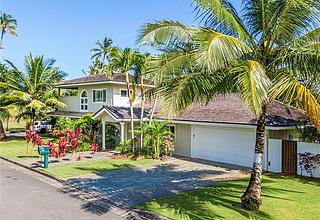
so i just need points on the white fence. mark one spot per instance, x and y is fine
(274, 155)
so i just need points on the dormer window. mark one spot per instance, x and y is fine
(99, 95)
(84, 101)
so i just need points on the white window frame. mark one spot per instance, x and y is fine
(87, 98)
(96, 95)
(175, 129)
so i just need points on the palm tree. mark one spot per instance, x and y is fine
(102, 50)
(32, 92)
(270, 52)
(124, 62)
(7, 25)
(142, 65)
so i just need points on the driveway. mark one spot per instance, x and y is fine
(130, 187)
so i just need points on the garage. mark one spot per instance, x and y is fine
(221, 144)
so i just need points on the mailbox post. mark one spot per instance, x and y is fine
(44, 150)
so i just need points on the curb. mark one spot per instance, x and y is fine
(142, 214)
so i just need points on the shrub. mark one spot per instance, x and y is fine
(89, 127)
(309, 162)
(63, 123)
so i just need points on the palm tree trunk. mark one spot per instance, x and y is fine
(153, 109)
(142, 113)
(1, 38)
(131, 110)
(251, 199)
(2, 132)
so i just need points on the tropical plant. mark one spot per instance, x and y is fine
(102, 51)
(32, 92)
(157, 138)
(89, 127)
(124, 62)
(270, 52)
(7, 25)
(141, 69)
(308, 132)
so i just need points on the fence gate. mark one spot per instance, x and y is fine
(289, 157)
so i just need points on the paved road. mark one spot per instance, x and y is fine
(24, 196)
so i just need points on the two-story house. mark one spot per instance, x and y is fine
(223, 130)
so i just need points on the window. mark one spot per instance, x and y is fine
(99, 95)
(124, 93)
(84, 101)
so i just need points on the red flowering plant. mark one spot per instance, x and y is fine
(29, 136)
(32, 136)
(62, 146)
(94, 148)
(53, 150)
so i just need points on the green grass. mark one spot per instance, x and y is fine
(15, 148)
(288, 198)
(69, 170)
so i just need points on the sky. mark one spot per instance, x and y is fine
(66, 30)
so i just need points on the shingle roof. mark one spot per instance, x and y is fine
(99, 78)
(123, 112)
(94, 78)
(233, 110)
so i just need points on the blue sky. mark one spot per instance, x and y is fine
(67, 29)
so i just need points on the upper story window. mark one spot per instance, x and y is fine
(99, 95)
(124, 93)
(84, 101)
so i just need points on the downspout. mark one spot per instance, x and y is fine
(267, 150)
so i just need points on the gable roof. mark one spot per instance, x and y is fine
(95, 79)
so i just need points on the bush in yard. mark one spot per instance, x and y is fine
(309, 162)
(89, 127)
(63, 123)
(157, 142)
(34, 138)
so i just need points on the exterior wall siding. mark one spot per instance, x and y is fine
(182, 140)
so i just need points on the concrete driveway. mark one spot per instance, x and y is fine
(130, 187)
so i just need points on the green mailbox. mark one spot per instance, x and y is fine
(44, 150)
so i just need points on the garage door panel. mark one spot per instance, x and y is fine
(224, 145)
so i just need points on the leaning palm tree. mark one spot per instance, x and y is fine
(270, 52)
(32, 92)
(7, 25)
(124, 62)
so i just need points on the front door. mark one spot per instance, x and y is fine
(289, 157)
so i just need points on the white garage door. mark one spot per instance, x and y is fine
(228, 145)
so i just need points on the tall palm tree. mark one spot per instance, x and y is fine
(102, 50)
(142, 65)
(7, 25)
(124, 62)
(270, 52)
(32, 92)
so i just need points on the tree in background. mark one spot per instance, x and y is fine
(270, 52)
(32, 92)
(124, 62)
(7, 25)
(100, 56)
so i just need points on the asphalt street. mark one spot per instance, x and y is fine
(23, 196)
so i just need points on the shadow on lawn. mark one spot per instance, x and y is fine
(105, 169)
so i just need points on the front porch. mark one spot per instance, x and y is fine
(120, 116)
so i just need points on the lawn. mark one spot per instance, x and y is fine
(15, 148)
(283, 198)
(66, 171)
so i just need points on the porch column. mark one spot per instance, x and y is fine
(122, 130)
(103, 135)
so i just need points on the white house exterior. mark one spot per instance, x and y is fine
(222, 131)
